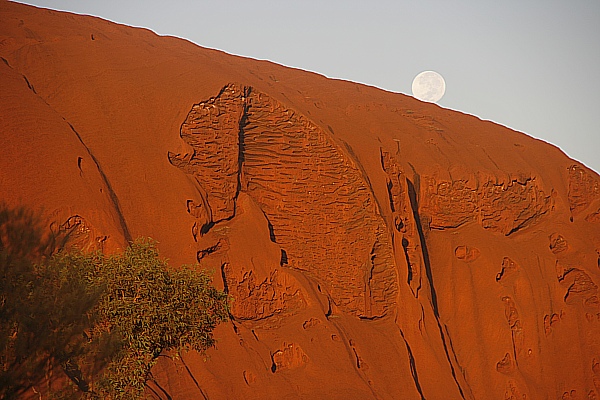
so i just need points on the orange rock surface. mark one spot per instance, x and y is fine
(374, 246)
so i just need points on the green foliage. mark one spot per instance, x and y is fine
(152, 308)
(103, 320)
(44, 308)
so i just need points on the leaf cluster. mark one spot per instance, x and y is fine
(103, 319)
(44, 308)
(152, 308)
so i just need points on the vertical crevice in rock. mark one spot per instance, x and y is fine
(212, 129)
(403, 219)
(193, 377)
(433, 295)
(412, 195)
(111, 193)
(413, 365)
(241, 184)
(317, 200)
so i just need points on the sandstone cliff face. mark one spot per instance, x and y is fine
(374, 246)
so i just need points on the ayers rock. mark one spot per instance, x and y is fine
(374, 246)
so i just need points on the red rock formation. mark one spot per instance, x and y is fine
(374, 246)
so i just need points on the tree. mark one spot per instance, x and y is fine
(151, 308)
(43, 309)
(102, 320)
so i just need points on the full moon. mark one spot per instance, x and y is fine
(428, 86)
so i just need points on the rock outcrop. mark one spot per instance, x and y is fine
(373, 246)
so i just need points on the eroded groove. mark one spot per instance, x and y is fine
(111, 193)
(446, 337)
(167, 395)
(404, 220)
(29, 85)
(412, 195)
(193, 377)
(434, 304)
(413, 365)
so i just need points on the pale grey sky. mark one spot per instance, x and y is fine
(531, 65)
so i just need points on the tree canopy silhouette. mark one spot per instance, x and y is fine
(101, 319)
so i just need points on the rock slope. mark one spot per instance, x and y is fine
(374, 246)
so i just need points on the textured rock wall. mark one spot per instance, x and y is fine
(373, 246)
(584, 189)
(320, 208)
(403, 216)
(212, 129)
(505, 206)
(322, 213)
